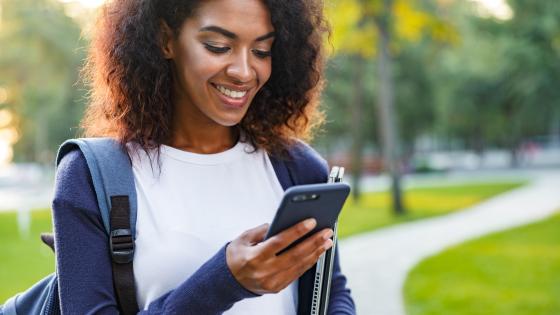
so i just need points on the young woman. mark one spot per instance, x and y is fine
(202, 95)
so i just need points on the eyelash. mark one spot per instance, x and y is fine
(221, 50)
(215, 49)
(262, 54)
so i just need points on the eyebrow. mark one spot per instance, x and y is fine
(228, 34)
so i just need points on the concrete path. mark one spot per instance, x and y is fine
(377, 263)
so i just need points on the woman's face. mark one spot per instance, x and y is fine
(221, 59)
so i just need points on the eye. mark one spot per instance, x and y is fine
(262, 53)
(216, 49)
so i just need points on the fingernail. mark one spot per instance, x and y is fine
(328, 235)
(328, 244)
(309, 223)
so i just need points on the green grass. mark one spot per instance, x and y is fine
(23, 260)
(516, 272)
(373, 209)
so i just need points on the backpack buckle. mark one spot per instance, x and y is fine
(121, 244)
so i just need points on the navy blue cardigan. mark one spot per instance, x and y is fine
(84, 265)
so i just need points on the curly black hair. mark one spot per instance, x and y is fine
(131, 81)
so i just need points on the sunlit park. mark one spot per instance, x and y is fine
(445, 115)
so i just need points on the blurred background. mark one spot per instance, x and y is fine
(444, 113)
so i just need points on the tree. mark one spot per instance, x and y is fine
(383, 20)
(499, 84)
(364, 28)
(40, 62)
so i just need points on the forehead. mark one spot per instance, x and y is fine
(243, 17)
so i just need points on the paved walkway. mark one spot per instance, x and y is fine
(377, 263)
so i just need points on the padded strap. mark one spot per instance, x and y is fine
(111, 172)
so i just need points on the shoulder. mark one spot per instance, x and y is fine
(72, 176)
(73, 159)
(308, 163)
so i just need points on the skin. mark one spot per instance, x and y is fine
(227, 43)
(203, 58)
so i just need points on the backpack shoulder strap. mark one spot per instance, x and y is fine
(111, 172)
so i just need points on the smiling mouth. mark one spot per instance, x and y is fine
(232, 98)
(234, 94)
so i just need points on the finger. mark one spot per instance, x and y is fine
(304, 249)
(283, 239)
(294, 256)
(255, 235)
(304, 264)
(272, 267)
(296, 269)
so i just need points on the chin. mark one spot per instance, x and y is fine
(228, 121)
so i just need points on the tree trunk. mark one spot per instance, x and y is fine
(514, 153)
(386, 106)
(555, 129)
(357, 126)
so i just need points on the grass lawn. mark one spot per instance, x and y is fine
(24, 261)
(373, 209)
(516, 272)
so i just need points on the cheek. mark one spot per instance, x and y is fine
(264, 71)
(199, 73)
(194, 70)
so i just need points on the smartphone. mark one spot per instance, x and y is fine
(320, 201)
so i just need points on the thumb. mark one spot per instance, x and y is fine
(256, 234)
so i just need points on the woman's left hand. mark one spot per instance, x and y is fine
(256, 265)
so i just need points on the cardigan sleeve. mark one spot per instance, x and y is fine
(84, 264)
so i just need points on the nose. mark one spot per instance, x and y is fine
(240, 68)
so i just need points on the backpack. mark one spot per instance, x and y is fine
(113, 181)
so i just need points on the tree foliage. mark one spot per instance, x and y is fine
(498, 86)
(418, 32)
(459, 77)
(355, 30)
(40, 62)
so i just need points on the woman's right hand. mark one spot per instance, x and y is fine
(256, 266)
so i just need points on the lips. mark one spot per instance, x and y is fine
(232, 98)
(231, 92)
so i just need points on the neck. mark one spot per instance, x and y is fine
(194, 132)
(203, 141)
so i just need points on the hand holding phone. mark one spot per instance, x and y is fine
(255, 264)
(267, 259)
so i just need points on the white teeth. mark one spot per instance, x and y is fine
(231, 93)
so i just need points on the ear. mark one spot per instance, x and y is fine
(166, 42)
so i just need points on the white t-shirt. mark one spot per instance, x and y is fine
(195, 205)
